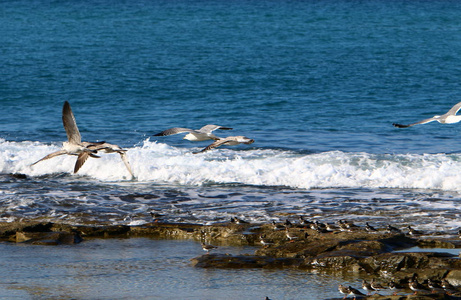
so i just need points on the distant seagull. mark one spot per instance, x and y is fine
(449, 118)
(276, 226)
(290, 235)
(238, 221)
(74, 145)
(416, 287)
(434, 286)
(412, 231)
(265, 242)
(229, 141)
(395, 287)
(367, 287)
(392, 229)
(344, 290)
(202, 134)
(110, 148)
(376, 286)
(356, 293)
(207, 247)
(369, 228)
(449, 289)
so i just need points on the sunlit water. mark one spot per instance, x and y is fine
(144, 269)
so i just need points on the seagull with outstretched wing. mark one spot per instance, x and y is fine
(73, 145)
(110, 148)
(202, 134)
(449, 118)
(83, 150)
(228, 141)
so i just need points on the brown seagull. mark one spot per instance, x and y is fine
(83, 150)
(229, 141)
(110, 148)
(74, 145)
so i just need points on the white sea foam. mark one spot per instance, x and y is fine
(163, 164)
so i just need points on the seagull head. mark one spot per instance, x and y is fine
(246, 140)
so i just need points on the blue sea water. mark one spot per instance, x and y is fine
(317, 84)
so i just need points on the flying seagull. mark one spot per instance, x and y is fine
(449, 118)
(74, 145)
(83, 150)
(110, 148)
(229, 141)
(202, 134)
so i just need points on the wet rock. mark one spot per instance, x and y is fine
(18, 175)
(242, 261)
(337, 261)
(393, 262)
(115, 231)
(454, 277)
(48, 238)
(405, 297)
(439, 243)
(365, 254)
(223, 234)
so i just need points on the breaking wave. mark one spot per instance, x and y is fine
(160, 163)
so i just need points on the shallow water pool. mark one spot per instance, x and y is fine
(144, 268)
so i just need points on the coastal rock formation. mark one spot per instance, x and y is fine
(358, 252)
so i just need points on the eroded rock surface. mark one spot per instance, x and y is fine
(366, 255)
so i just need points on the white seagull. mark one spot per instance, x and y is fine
(202, 134)
(74, 145)
(229, 141)
(449, 118)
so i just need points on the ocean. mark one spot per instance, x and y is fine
(316, 84)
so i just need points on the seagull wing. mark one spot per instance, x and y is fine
(174, 130)
(413, 124)
(95, 146)
(81, 159)
(215, 144)
(454, 110)
(125, 161)
(51, 155)
(68, 120)
(210, 128)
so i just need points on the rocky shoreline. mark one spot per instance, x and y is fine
(353, 252)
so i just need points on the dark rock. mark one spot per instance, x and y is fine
(439, 243)
(18, 175)
(242, 261)
(48, 238)
(359, 252)
(406, 297)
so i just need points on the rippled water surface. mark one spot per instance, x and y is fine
(144, 269)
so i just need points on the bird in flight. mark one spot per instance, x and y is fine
(73, 145)
(202, 134)
(83, 150)
(229, 141)
(449, 118)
